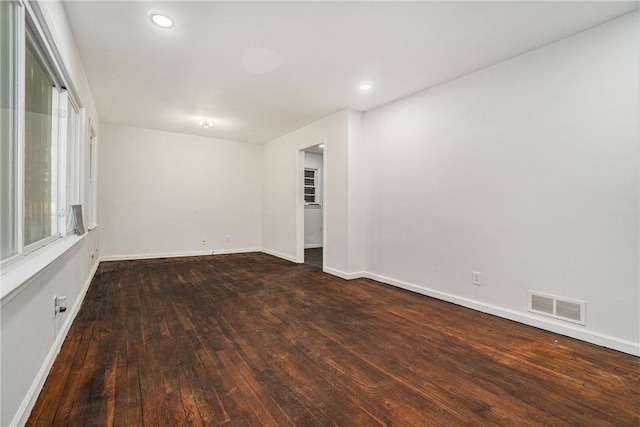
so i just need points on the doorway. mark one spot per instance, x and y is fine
(311, 169)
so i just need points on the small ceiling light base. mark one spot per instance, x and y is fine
(365, 86)
(205, 123)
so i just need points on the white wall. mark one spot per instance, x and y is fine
(357, 238)
(313, 213)
(161, 193)
(31, 336)
(526, 171)
(343, 212)
(280, 200)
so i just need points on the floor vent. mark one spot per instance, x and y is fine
(557, 307)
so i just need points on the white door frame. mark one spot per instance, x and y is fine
(300, 203)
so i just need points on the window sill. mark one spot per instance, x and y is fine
(23, 271)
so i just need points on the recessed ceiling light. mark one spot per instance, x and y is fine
(365, 86)
(161, 20)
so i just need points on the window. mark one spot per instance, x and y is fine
(310, 186)
(8, 129)
(71, 128)
(41, 93)
(40, 130)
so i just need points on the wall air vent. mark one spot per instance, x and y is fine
(541, 303)
(557, 307)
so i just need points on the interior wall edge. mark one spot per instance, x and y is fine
(344, 275)
(279, 255)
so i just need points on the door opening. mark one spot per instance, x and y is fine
(311, 206)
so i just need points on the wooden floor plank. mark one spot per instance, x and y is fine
(250, 339)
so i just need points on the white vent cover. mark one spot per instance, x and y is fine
(557, 307)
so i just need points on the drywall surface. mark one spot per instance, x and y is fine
(526, 171)
(31, 334)
(162, 193)
(281, 197)
(356, 194)
(313, 213)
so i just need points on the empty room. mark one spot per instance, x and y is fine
(309, 213)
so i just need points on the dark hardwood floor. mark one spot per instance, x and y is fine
(313, 256)
(250, 339)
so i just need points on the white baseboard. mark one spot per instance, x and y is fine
(177, 254)
(236, 251)
(22, 415)
(279, 255)
(573, 331)
(342, 274)
(329, 270)
(313, 245)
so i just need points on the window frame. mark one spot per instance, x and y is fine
(18, 173)
(92, 178)
(31, 27)
(314, 186)
(30, 37)
(72, 146)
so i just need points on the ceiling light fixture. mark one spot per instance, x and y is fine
(205, 123)
(161, 20)
(365, 86)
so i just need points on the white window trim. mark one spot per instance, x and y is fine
(63, 135)
(20, 153)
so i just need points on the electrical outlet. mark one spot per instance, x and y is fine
(228, 239)
(60, 304)
(204, 241)
(476, 278)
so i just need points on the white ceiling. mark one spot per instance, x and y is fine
(262, 69)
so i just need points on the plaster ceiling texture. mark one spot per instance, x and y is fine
(262, 69)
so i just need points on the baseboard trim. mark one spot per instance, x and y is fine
(343, 275)
(279, 255)
(24, 411)
(132, 257)
(572, 331)
(313, 245)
